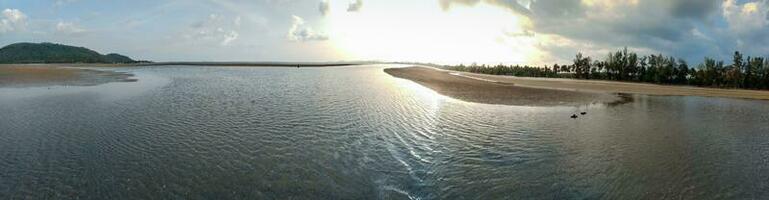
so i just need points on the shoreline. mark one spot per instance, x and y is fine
(538, 90)
(48, 75)
(624, 87)
(478, 90)
(591, 86)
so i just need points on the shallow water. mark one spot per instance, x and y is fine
(47, 76)
(357, 133)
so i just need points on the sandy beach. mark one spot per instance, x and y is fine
(506, 93)
(512, 90)
(624, 87)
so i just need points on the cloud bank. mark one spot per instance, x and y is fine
(687, 28)
(554, 29)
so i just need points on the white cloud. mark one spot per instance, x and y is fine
(324, 7)
(748, 24)
(355, 6)
(12, 20)
(750, 16)
(63, 2)
(229, 37)
(238, 21)
(216, 29)
(69, 28)
(299, 32)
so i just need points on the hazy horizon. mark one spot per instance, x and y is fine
(436, 31)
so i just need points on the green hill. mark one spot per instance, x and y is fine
(56, 53)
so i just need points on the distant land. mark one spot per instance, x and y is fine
(25, 53)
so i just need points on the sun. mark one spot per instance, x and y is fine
(423, 32)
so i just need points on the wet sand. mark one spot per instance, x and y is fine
(478, 90)
(512, 90)
(50, 75)
(624, 87)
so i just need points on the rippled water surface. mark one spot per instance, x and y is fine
(357, 133)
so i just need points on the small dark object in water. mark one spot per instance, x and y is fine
(574, 116)
(583, 113)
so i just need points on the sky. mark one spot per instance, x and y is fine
(533, 32)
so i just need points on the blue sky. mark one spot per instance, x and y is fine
(443, 31)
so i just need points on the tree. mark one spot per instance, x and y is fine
(682, 72)
(734, 75)
(750, 80)
(764, 70)
(755, 73)
(642, 69)
(709, 72)
(582, 66)
(631, 65)
(556, 68)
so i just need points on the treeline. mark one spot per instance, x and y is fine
(746, 73)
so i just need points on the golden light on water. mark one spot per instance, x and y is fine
(413, 89)
(425, 32)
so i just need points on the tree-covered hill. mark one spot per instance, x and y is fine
(56, 53)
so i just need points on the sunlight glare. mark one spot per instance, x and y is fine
(482, 34)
